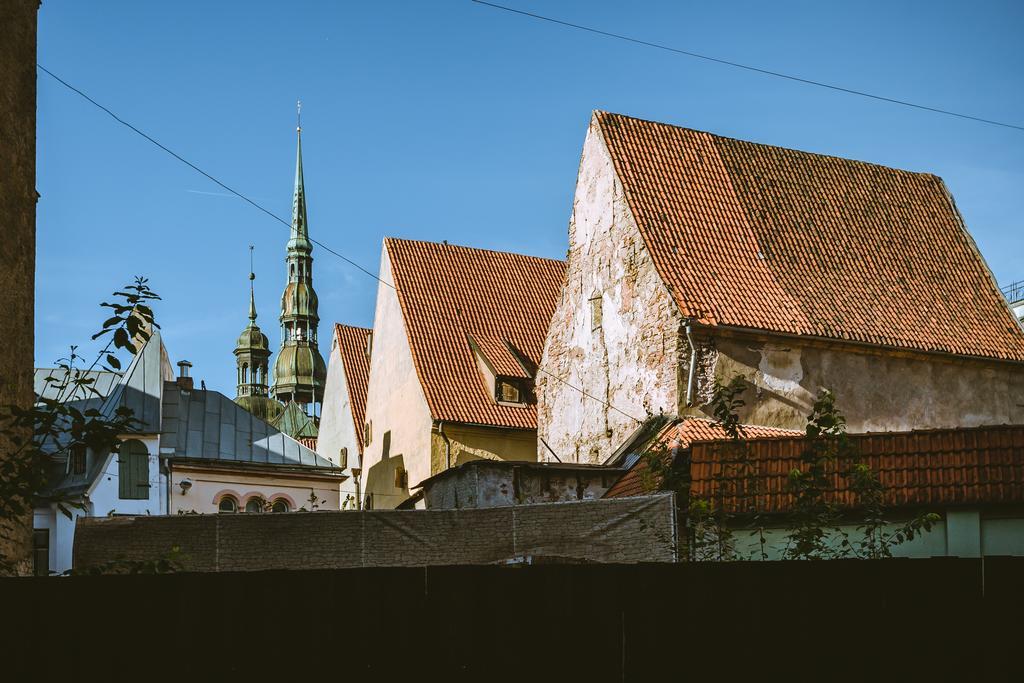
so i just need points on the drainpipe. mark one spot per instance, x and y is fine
(356, 474)
(447, 444)
(170, 489)
(691, 380)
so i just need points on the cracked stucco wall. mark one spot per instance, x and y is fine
(876, 389)
(630, 359)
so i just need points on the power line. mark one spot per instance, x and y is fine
(275, 217)
(204, 173)
(747, 67)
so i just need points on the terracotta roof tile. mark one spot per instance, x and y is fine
(680, 435)
(970, 466)
(448, 292)
(353, 343)
(754, 236)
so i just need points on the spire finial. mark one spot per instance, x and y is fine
(252, 290)
(298, 116)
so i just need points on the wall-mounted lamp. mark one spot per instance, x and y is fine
(185, 485)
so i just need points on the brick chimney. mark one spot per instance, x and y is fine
(184, 381)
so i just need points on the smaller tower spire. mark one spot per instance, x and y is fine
(252, 290)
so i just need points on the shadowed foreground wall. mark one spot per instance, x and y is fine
(865, 620)
(638, 529)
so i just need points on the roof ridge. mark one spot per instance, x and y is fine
(718, 136)
(470, 248)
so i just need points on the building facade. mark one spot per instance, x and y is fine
(341, 425)
(695, 258)
(972, 479)
(192, 451)
(457, 336)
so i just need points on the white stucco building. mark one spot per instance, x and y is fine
(192, 451)
(344, 413)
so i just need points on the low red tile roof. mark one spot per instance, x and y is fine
(308, 441)
(982, 465)
(680, 435)
(754, 236)
(353, 343)
(447, 292)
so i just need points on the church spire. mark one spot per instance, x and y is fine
(300, 222)
(299, 370)
(252, 358)
(252, 291)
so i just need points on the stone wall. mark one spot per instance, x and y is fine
(483, 484)
(17, 232)
(630, 358)
(876, 389)
(638, 529)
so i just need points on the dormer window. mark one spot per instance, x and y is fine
(507, 392)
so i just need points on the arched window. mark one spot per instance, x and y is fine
(227, 504)
(245, 373)
(280, 505)
(254, 505)
(133, 470)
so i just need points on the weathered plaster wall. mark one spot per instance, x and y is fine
(337, 428)
(875, 390)
(209, 485)
(470, 442)
(485, 485)
(630, 359)
(17, 233)
(395, 402)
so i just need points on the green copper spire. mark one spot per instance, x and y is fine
(299, 370)
(252, 291)
(252, 357)
(300, 221)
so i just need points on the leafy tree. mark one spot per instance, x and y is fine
(46, 434)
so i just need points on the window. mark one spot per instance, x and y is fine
(280, 505)
(508, 393)
(227, 505)
(255, 505)
(133, 471)
(245, 373)
(595, 312)
(41, 552)
(77, 464)
(343, 458)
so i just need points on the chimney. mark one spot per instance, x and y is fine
(184, 381)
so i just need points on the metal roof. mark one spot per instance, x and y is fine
(207, 425)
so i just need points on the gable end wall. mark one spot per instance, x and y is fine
(631, 360)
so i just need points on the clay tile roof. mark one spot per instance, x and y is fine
(449, 293)
(353, 343)
(945, 467)
(501, 358)
(679, 435)
(767, 238)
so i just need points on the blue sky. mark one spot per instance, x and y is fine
(448, 120)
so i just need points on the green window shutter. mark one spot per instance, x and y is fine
(141, 475)
(133, 471)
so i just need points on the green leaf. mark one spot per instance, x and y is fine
(113, 361)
